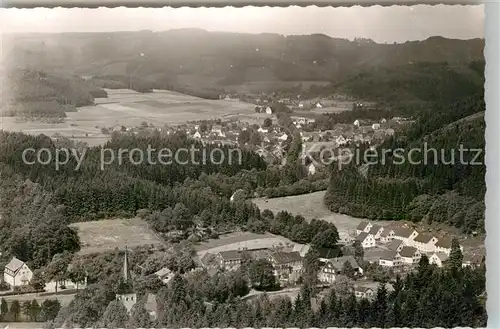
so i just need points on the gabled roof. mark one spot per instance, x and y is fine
(329, 253)
(361, 226)
(230, 255)
(404, 232)
(14, 264)
(424, 237)
(374, 230)
(286, 257)
(386, 231)
(408, 251)
(395, 244)
(339, 262)
(444, 242)
(389, 255)
(442, 256)
(362, 236)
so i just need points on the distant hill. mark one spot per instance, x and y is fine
(193, 57)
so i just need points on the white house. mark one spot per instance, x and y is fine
(425, 242)
(356, 123)
(364, 292)
(327, 273)
(197, 135)
(17, 273)
(301, 105)
(376, 126)
(344, 237)
(376, 231)
(269, 110)
(217, 129)
(262, 130)
(438, 258)
(405, 234)
(283, 137)
(387, 235)
(340, 140)
(444, 245)
(366, 239)
(363, 227)
(410, 255)
(391, 258)
(319, 105)
(396, 245)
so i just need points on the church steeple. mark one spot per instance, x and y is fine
(126, 270)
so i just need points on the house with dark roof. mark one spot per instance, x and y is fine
(444, 245)
(390, 259)
(473, 260)
(340, 262)
(425, 242)
(364, 292)
(287, 265)
(17, 273)
(364, 226)
(438, 258)
(396, 245)
(387, 235)
(229, 259)
(405, 234)
(327, 273)
(328, 253)
(410, 255)
(366, 239)
(376, 231)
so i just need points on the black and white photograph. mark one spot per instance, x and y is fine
(252, 167)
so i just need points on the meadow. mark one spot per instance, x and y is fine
(129, 108)
(106, 235)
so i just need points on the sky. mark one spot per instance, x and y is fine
(381, 24)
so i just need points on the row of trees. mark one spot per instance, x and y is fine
(29, 310)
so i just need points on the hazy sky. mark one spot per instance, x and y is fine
(382, 24)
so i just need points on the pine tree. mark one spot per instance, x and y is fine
(456, 258)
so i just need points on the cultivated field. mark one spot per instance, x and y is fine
(129, 108)
(104, 235)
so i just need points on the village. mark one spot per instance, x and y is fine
(267, 135)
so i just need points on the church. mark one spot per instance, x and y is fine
(127, 295)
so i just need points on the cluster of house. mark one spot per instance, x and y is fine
(288, 263)
(405, 245)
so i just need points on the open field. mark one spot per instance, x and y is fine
(234, 241)
(311, 206)
(99, 236)
(130, 108)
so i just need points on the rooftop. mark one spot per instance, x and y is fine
(286, 257)
(408, 251)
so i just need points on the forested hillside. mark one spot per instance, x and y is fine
(437, 186)
(37, 94)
